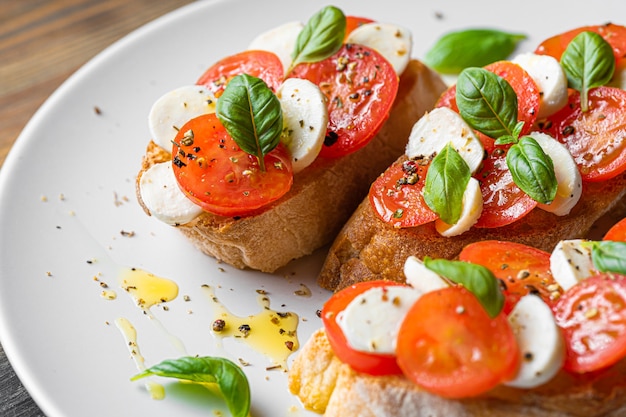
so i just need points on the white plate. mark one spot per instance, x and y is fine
(53, 328)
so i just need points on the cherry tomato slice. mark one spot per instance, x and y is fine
(221, 178)
(396, 195)
(617, 232)
(366, 362)
(353, 22)
(261, 64)
(361, 86)
(595, 138)
(450, 346)
(522, 269)
(592, 315)
(615, 35)
(503, 201)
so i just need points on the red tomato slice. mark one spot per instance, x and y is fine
(396, 195)
(522, 83)
(522, 269)
(215, 173)
(450, 346)
(361, 86)
(617, 232)
(615, 35)
(261, 64)
(503, 201)
(596, 138)
(592, 315)
(353, 22)
(366, 362)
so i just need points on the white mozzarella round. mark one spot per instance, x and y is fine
(570, 184)
(470, 212)
(540, 342)
(163, 197)
(372, 320)
(280, 40)
(433, 131)
(570, 262)
(175, 108)
(420, 277)
(391, 41)
(305, 116)
(550, 78)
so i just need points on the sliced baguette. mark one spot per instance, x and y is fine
(328, 386)
(323, 196)
(367, 248)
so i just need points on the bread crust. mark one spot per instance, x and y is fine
(367, 248)
(323, 195)
(328, 386)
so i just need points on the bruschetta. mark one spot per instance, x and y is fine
(258, 188)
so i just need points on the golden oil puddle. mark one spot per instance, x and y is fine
(269, 332)
(147, 289)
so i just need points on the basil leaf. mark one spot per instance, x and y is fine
(476, 278)
(252, 115)
(226, 374)
(321, 37)
(588, 62)
(532, 170)
(609, 256)
(487, 102)
(446, 180)
(455, 51)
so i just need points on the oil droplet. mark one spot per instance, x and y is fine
(269, 332)
(147, 289)
(108, 294)
(129, 333)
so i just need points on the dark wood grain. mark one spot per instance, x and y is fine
(42, 42)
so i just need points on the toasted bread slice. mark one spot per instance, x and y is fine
(323, 196)
(328, 386)
(368, 248)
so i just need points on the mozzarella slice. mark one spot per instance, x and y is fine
(391, 41)
(174, 109)
(540, 342)
(550, 79)
(305, 116)
(433, 131)
(471, 211)
(280, 40)
(570, 262)
(163, 197)
(422, 278)
(570, 184)
(372, 320)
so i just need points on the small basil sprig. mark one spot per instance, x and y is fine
(588, 62)
(455, 51)
(321, 37)
(476, 278)
(488, 103)
(227, 375)
(609, 256)
(446, 180)
(252, 115)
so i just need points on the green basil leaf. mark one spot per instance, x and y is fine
(321, 37)
(476, 278)
(532, 170)
(609, 256)
(455, 51)
(446, 180)
(226, 374)
(588, 62)
(252, 115)
(487, 102)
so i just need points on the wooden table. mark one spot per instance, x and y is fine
(42, 42)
